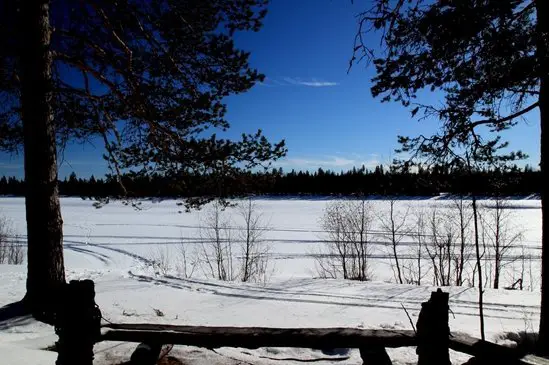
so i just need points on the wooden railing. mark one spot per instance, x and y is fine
(78, 327)
(255, 337)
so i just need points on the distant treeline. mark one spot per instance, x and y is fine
(358, 181)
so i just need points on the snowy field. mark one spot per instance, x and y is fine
(116, 246)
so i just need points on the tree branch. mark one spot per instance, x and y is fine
(78, 63)
(523, 91)
(115, 35)
(101, 52)
(505, 119)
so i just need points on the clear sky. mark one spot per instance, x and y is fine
(327, 116)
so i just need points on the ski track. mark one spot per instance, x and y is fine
(158, 240)
(386, 301)
(275, 256)
(123, 252)
(526, 243)
(105, 259)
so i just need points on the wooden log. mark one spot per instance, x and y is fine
(77, 323)
(255, 337)
(433, 331)
(489, 352)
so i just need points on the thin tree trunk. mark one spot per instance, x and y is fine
(362, 243)
(461, 264)
(497, 267)
(542, 7)
(498, 246)
(247, 216)
(419, 263)
(450, 251)
(479, 269)
(43, 213)
(393, 237)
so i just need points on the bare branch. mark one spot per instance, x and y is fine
(409, 318)
(115, 35)
(78, 63)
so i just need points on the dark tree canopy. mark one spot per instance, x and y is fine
(482, 55)
(355, 182)
(490, 61)
(146, 77)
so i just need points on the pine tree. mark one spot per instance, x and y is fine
(490, 58)
(145, 77)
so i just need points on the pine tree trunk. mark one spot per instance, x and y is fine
(43, 213)
(544, 315)
(542, 8)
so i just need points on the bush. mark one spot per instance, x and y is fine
(347, 247)
(12, 250)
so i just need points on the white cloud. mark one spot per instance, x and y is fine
(328, 162)
(318, 83)
(296, 81)
(311, 83)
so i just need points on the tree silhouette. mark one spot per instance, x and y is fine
(425, 182)
(490, 58)
(147, 78)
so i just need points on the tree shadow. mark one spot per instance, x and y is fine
(13, 314)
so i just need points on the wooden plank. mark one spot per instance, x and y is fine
(533, 360)
(255, 337)
(491, 351)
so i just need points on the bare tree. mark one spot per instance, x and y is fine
(254, 257)
(517, 276)
(333, 261)
(359, 221)
(413, 271)
(479, 256)
(216, 254)
(463, 219)
(347, 227)
(441, 248)
(5, 233)
(160, 258)
(187, 262)
(394, 226)
(11, 248)
(501, 235)
(16, 253)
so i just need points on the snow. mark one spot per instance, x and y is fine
(113, 246)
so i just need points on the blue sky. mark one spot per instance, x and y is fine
(327, 117)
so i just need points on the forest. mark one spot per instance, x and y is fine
(357, 181)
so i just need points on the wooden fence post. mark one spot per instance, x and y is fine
(374, 355)
(146, 354)
(77, 323)
(433, 332)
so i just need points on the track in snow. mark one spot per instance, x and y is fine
(386, 299)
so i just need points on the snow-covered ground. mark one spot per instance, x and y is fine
(114, 245)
